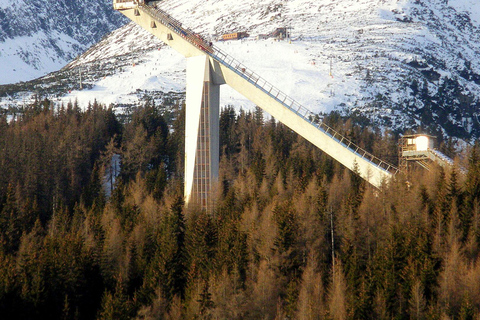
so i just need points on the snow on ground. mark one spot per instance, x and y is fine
(288, 66)
(315, 68)
(328, 64)
(470, 6)
(295, 68)
(38, 37)
(343, 53)
(23, 58)
(162, 70)
(5, 4)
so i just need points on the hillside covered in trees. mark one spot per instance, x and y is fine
(293, 235)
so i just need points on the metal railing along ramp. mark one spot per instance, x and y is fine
(440, 158)
(432, 155)
(264, 94)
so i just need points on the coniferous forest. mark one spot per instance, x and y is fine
(293, 235)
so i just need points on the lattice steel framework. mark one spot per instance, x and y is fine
(202, 179)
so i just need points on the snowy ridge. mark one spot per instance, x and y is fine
(38, 36)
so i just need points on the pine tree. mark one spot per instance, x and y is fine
(177, 276)
(201, 243)
(116, 305)
(337, 294)
(357, 190)
(10, 223)
(471, 192)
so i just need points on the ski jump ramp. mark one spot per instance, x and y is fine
(208, 68)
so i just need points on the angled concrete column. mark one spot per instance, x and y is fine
(201, 133)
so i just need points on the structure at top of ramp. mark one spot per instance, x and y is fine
(208, 68)
(419, 149)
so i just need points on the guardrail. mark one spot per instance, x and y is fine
(296, 107)
(239, 68)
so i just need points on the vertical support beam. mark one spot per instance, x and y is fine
(201, 133)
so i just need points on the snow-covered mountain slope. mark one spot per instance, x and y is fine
(402, 63)
(41, 36)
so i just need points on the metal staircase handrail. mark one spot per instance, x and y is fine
(240, 69)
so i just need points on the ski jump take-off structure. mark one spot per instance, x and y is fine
(208, 68)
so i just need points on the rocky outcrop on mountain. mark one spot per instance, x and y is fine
(40, 36)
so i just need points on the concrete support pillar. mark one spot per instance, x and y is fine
(201, 133)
